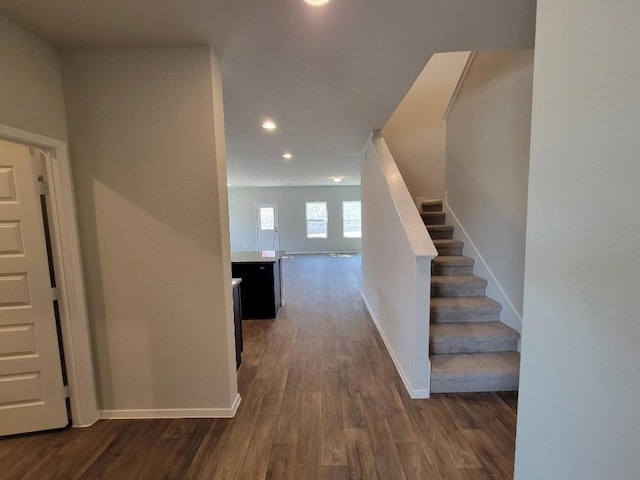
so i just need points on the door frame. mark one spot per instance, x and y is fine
(276, 222)
(66, 252)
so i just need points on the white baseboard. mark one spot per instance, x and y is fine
(172, 412)
(355, 252)
(86, 425)
(509, 315)
(413, 392)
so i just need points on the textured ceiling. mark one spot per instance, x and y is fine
(328, 76)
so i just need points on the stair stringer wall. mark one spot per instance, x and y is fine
(509, 315)
(487, 155)
(396, 256)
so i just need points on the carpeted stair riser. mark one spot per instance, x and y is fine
(472, 346)
(449, 247)
(480, 382)
(464, 310)
(440, 232)
(472, 338)
(432, 206)
(451, 270)
(474, 288)
(480, 372)
(433, 218)
(452, 265)
(449, 251)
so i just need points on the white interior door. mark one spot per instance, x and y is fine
(32, 395)
(267, 222)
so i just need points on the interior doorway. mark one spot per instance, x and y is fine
(36, 179)
(32, 385)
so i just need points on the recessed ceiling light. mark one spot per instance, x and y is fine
(288, 156)
(317, 3)
(336, 179)
(269, 125)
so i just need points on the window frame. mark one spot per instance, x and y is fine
(343, 219)
(306, 220)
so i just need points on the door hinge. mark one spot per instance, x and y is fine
(53, 293)
(67, 394)
(42, 187)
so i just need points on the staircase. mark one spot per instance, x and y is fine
(471, 351)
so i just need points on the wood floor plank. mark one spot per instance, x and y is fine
(352, 415)
(387, 461)
(362, 463)
(289, 418)
(256, 459)
(125, 453)
(203, 461)
(414, 462)
(334, 472)
(282, 462)
(309, 436)
(321, 399)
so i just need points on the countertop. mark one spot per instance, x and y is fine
(267, 256)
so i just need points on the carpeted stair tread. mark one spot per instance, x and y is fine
(433, 218)
(475, 372)
(457, 286)
(464, 309)
(472, 338)
(453, 260)
(440, 231)
(431, 206)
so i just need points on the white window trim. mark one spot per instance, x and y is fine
(306, 220)
(343, 220)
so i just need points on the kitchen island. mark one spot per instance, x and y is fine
(261, 273)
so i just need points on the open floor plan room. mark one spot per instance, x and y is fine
(321, 399)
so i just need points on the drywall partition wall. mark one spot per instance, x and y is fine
(147, 147)
(291, 213)
(487, 166)
(578, 414)
(31, 94)
(222, 212)
(416, 131)
(396, 267)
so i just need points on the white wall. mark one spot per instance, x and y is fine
(147, 147)
(579, 415)
(31, 94)
(396, 267)
(291, 212)
(487, 169)
(416, 131)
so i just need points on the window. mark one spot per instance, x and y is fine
(316, 215)
(351, 220)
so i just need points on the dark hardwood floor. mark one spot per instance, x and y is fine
(321, 400)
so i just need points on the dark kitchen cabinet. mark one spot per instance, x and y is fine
(261, 283)
(237, 318)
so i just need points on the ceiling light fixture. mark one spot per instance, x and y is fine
(288, 156)
(316, 3)
(336, 179)
(269, 125)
